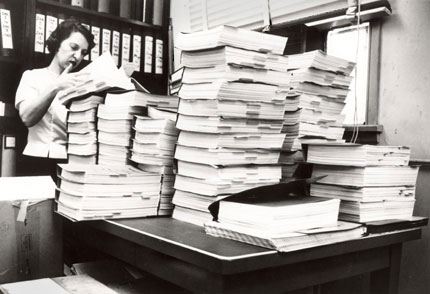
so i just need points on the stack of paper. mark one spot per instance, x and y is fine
(175, 81)
(231, 36)
(373, 182)
(115, 132)
(271, 217)
(230, 115)
(319, 85)
(81, 130)
(302, 239)
(89, 192)
(152, 149)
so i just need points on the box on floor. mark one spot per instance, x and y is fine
(30, 232)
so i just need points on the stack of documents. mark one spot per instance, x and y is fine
(319, 85)
(373, 182)
(81, 130)
(90, 192)
(230, 116)
(153, 146)
(278, 217)
(297, 240)
(115, 131)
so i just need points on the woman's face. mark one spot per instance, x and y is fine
(72, 50)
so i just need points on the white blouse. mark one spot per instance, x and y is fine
(47, 138)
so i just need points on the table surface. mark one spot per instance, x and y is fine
(190, 243)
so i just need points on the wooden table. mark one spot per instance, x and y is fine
(184, 255)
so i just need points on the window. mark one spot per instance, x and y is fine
(352, 43)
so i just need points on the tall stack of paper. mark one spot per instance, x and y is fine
(89, 192)
(230, 114)
(319, 84)
(373, 182)
(81, 130)
(152, 149)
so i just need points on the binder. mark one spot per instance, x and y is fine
(103, 6)
(125, 8)
(51, 25)
(106, 40)
(137, 46)
(147, 12)
(157, 14)
(95, 30)
(125, 48)
(39, 38)
(79, 3)
(116, 36)
(148, 54)
(159, 56)
(8, 155)
(6, 40)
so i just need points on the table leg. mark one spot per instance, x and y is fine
(387, 280)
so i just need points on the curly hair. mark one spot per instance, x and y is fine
(64, 30)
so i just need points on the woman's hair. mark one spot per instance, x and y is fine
(64, 30)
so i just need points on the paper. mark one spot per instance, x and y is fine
(6, 29)
(39, 35)
(36, 286)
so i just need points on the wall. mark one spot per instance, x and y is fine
(404, 112)
(179, 12)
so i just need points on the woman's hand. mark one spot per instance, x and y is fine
(67, 79)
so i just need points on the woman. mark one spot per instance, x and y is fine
(35, 100)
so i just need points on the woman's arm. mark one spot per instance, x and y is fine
(32, 110)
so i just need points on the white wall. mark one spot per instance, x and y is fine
(405, 76)
(180, 22)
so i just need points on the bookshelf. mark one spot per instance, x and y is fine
(153, 76)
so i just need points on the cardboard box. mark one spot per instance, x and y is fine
(30, 232)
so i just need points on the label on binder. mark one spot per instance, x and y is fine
(136, 51)
(125, 54)
(115, 46)
(39, 35)
(158, 56)
(148, 54)
(95, 52)
(51, 25)
(106, 40)
(6, 29)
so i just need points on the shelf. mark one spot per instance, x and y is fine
(10, 59)
(98, 14)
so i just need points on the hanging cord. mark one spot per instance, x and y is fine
(355, 131)
(267, 18)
